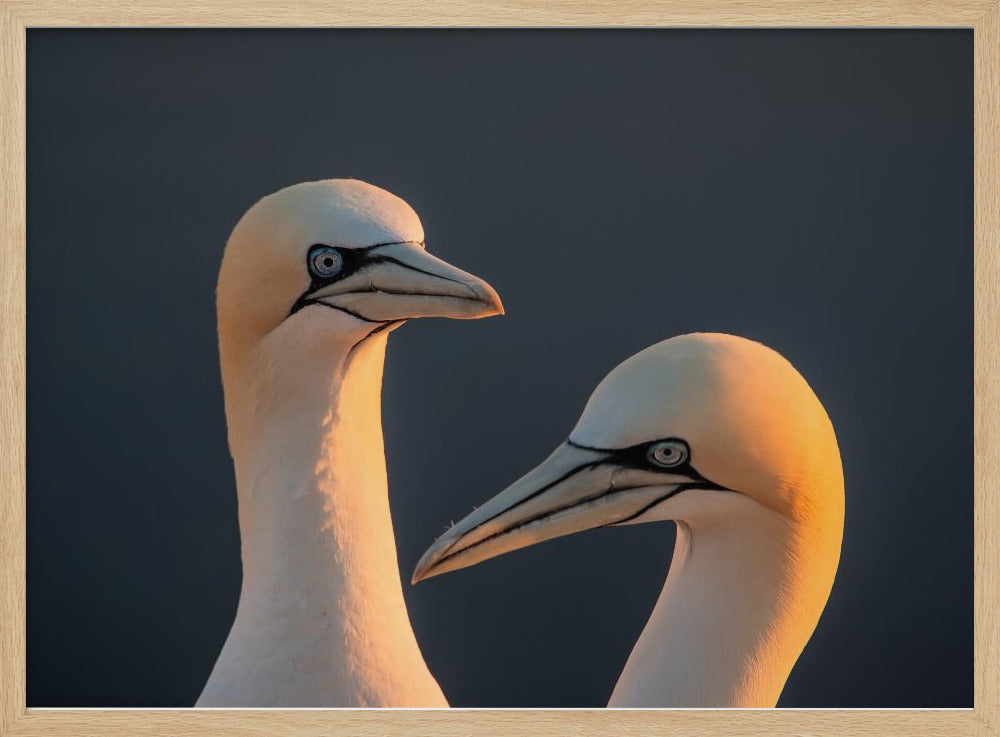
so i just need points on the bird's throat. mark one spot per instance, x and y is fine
(321, 619)
(740, 602)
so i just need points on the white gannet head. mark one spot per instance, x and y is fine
(337, 257)
(680, 431)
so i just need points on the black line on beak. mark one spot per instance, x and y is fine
(634, 456)
(305, 303)
(546, 487)
(593, 497)
(393, 260)
(662, 498)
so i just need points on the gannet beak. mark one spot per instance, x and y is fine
(399, 281)
(574, 489)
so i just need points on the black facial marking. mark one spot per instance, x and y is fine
(354, 259)
(637, 456)
(374, 331)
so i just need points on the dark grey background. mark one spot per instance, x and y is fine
(810, 189)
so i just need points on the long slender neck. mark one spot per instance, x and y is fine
(321, 619)
(741, 600)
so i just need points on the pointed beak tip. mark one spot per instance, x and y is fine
(424, 566)
(433, 562)
(420, 573)
(489, 297)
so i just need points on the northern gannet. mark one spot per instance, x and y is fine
(723, 436)
(312, 280)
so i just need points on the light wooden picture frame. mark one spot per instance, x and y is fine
(982, 16)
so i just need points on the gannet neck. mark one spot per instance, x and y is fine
(741, 599)
(321, 619)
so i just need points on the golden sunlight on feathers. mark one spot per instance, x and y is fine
(313, 280)
(725, 437)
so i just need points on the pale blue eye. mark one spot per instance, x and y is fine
(325, 262)
(667, 453)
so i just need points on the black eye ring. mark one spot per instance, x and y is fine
(668, 453)
(324, 262)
